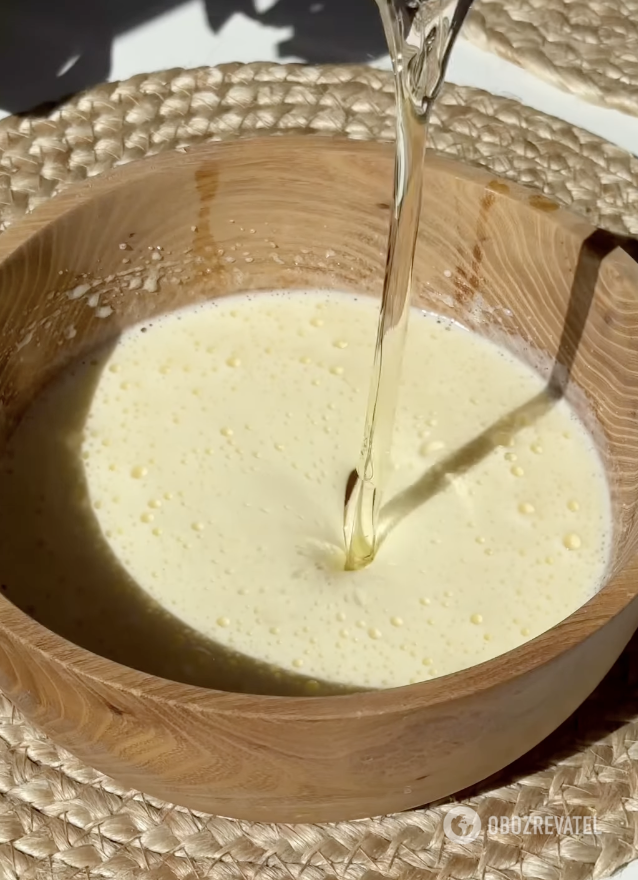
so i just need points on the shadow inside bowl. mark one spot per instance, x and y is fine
(58, 566)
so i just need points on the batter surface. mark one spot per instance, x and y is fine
(216, 450)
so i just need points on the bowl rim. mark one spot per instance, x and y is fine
(18, 628)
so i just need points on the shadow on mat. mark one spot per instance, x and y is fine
(51, 50)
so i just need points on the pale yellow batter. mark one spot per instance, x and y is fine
(217, 448)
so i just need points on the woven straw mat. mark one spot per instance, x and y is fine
(586, 47)
(60, 819)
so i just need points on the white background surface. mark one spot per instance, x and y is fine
(182, 37)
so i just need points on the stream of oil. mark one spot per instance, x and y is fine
(420, 35)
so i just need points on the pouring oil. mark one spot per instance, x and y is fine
(420, 35)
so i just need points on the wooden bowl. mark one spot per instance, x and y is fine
(313, 212)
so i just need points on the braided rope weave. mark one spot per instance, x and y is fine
(62, 820)
(118, 123)
(586, 47)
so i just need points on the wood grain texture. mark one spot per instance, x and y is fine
(314, 212)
